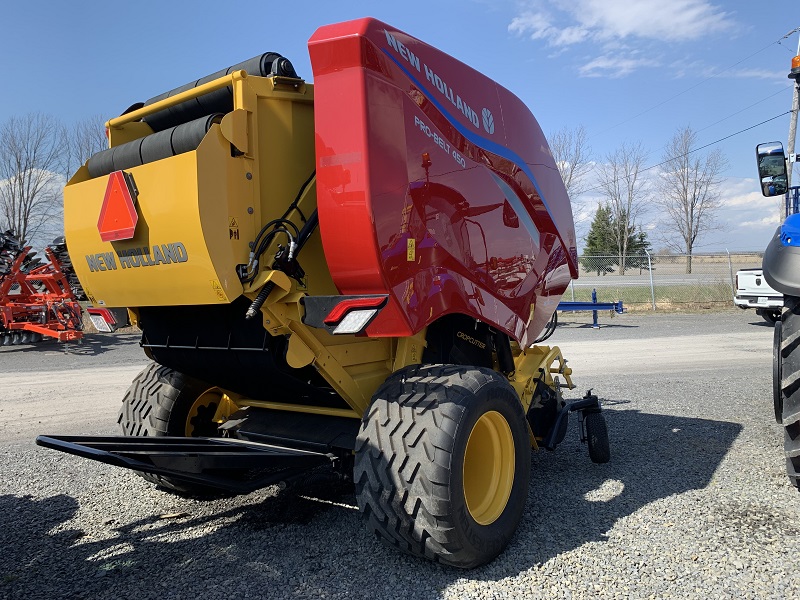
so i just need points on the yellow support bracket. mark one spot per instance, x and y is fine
(235, 129)
(538, 363)
(281, 281)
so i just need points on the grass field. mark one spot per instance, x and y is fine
(712, 293)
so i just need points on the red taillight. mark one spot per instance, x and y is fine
(102, 319)
(345, 306)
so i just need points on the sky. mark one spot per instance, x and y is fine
(629, 71)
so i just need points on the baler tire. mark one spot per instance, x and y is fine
(597, 438)
(412, 486)
(777, 370)
(790, 386)
(157, 404)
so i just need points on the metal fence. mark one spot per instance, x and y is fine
(661, 280)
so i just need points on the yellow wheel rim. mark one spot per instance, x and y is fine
(211, 407)
(489, 468)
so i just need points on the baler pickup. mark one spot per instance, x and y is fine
(229, 465)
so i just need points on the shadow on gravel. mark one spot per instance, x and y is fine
(573, 501)
(92, 344)
(309, 542)
(763, 324)
(27, 539)
(602, 324)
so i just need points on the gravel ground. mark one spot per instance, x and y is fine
(694, 503)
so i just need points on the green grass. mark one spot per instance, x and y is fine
(664, 294)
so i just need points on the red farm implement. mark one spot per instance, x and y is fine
(36, 299)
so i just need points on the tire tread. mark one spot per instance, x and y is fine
(790, 386)
(403, 458)
(147, 409)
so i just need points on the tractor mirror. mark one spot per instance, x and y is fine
(772, 168)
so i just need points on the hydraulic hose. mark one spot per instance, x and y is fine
(302, 238)
(259, 301)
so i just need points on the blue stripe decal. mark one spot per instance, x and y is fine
(473, 137)
(518, 207)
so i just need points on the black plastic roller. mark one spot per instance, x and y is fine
(219, 101)
(162, 144)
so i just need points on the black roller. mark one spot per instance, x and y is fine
(188, 136)
(102, 163)
(163, 144)
(219, 101)
(156, 146)
(127, 155)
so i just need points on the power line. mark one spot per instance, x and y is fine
(720, 140)
(745, 108)
(671, 98)
(700, 148)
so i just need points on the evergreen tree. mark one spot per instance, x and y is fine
(638, 246)
(602, 252)
(599, 253)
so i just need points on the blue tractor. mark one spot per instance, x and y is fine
(781, 267)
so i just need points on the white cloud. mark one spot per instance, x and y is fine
(540, 27)
(564, 23)
(676, 20)
(699, 68)
(747, 219)
(47, 217)
(614, 66)
(771, 221)
(776, 76)
(614, 28)
(743, 193)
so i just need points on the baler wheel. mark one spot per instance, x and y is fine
(443, 463)
(790, 386)
(777, 371)
(165, 402)
(597, 437)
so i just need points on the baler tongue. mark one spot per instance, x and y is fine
(229, 465)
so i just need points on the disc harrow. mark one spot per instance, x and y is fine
(37, 299)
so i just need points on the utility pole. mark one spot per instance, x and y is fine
(794, 74)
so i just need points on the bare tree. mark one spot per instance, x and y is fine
(572, 153)
(626, 191)
(31, 163)
(85, 138)
(689, 192)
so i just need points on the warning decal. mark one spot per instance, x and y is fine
(233, 228)
(215, 285)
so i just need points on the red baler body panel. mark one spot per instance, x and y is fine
(435, 185)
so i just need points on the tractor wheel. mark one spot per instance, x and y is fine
(790, 386)
(165, 402)
(597, 437)
(777, 367)
(443, 463)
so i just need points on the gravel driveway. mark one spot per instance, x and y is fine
(694, 502)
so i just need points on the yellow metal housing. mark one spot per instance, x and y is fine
(209, 203)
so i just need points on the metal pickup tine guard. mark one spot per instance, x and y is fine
(343, 275)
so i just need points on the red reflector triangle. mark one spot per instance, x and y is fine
(118, 215)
